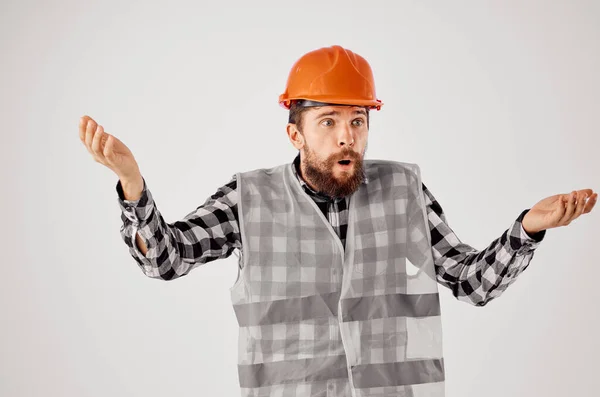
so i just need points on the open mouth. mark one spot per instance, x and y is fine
(344, 162)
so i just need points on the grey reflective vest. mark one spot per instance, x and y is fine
(318, 320)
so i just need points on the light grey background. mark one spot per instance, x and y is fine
(497, 101)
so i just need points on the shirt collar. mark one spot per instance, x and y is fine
(310, 191)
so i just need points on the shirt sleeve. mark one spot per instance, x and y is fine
(478, 276)
(208, 233)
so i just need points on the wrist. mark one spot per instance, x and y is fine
(529, 230)
(132, 187)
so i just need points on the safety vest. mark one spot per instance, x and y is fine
(317, 320)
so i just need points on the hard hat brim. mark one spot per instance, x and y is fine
(329, 101)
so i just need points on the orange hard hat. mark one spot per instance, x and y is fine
(331, 76)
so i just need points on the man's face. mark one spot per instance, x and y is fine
(330, 134)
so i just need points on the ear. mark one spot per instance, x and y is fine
(296, 138)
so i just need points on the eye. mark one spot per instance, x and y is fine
(326, 121)
(360, 122)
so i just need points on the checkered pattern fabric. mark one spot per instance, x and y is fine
(381, 291)
(214, 230)
(211, 232)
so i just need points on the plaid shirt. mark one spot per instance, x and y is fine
(211, 232)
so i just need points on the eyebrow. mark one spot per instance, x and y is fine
(336, 113)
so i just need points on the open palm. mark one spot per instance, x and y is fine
(107, 149)
(559, 210)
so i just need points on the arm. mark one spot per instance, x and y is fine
(171, 250)
(474, 276)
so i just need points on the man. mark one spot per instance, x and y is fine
(340, 256)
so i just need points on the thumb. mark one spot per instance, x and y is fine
(560, 210)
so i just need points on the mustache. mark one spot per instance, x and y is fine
(347, 155)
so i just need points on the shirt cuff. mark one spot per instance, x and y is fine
(522, 241)
(137, 211)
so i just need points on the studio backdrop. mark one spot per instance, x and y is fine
(497, 102)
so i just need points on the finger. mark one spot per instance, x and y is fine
(581, 197)
(86, 140)
(82, 125)
(588, 192)
(570, 201)
(590, 203)
(562, 210)
(97, 141)
(559, 209)
(89, 134)
(108, 151)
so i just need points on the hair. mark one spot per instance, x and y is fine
(296, 112)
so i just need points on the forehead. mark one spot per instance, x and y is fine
(338, 110)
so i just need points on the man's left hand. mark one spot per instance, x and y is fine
(559, 210)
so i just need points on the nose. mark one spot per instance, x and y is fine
(346, 138)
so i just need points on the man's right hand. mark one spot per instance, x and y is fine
(106, 149)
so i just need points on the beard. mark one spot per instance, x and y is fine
(322, 175)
